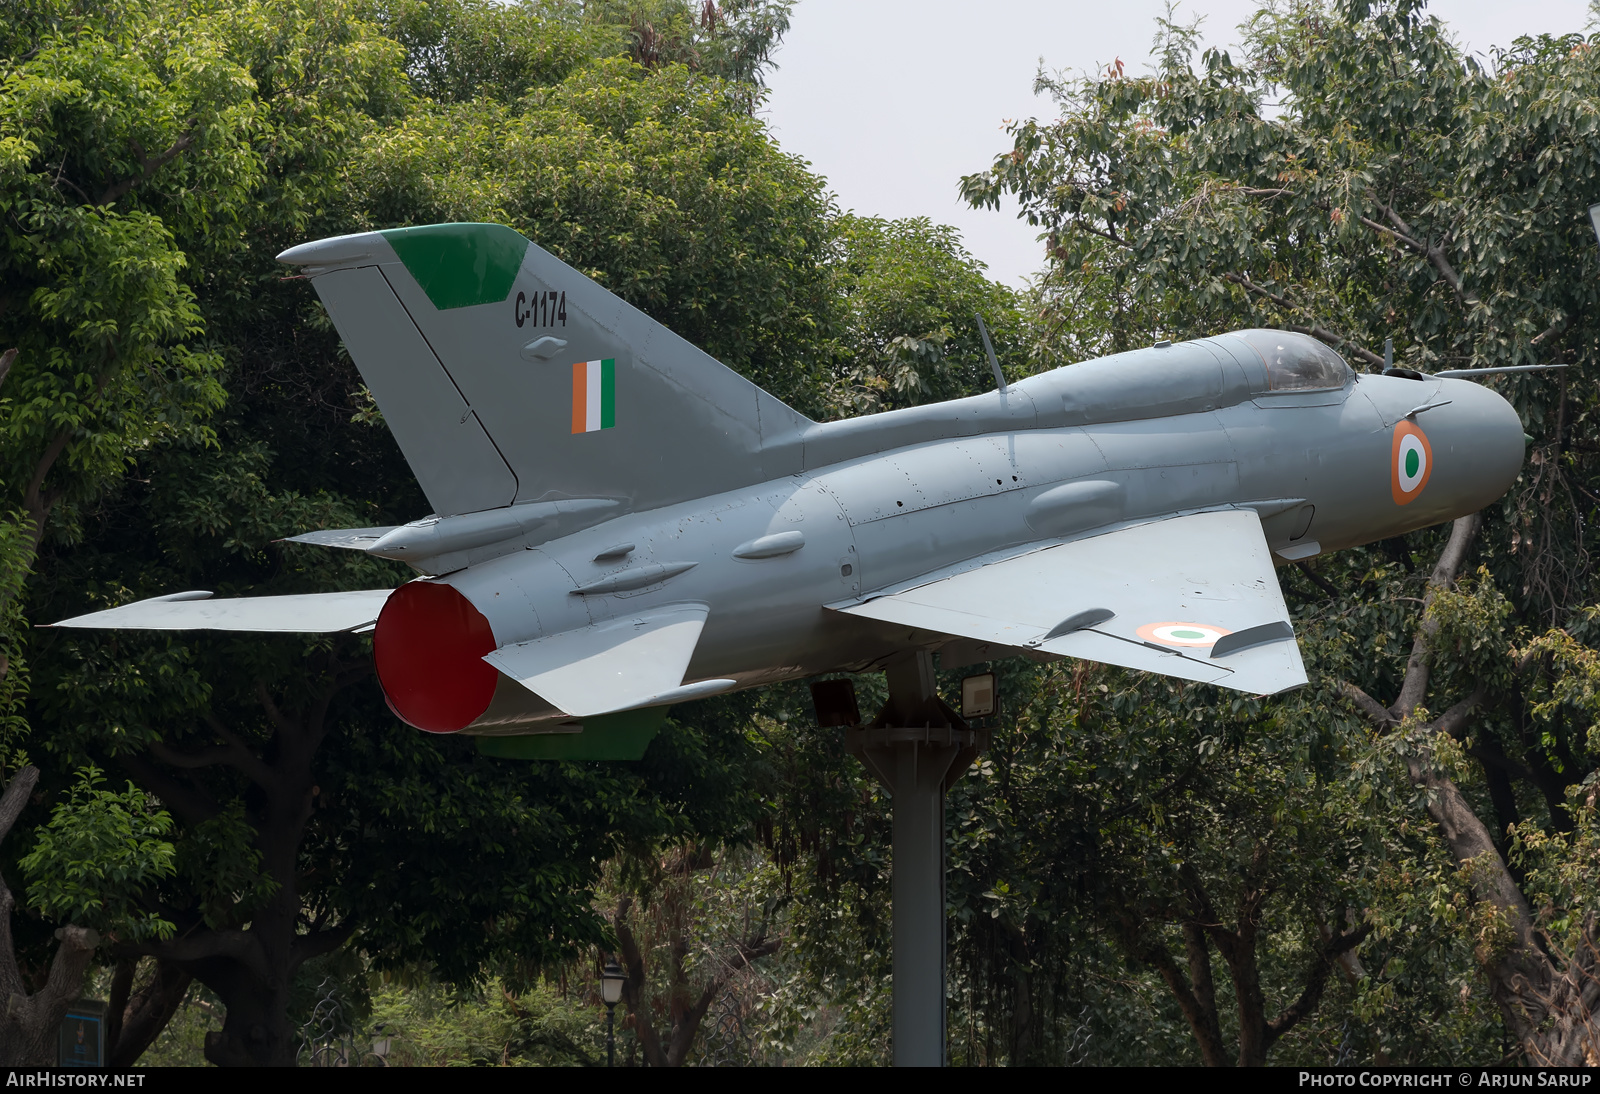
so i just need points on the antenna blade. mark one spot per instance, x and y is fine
(983, 332)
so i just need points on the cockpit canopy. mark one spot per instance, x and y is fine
(1296, 362)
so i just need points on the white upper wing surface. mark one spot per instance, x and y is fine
(1189, 596)
(307, 613)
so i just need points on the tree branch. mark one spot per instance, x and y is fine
(12, 802)
(689, 1024)
(1374, 710)
(148, 165)
(1156, 956)
(1454, 720)
(16, 797)
(206, 757)
(31, 498)
(237, 945)
(147, 1014)
(1316, 981)
(194, 806)
(1488, 757)
(1322, 334)
(1418, 670)
(285, 725)
(1321, 582)
(1553, 328)
(317, 943)
(1433, 252)
(1251, 286)
(633, 987)
(1103, 233)
(243, 757)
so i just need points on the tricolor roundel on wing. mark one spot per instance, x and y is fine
(1410, 463)
(1192, 635)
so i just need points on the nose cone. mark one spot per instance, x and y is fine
(1477, 448)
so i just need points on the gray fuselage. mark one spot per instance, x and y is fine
(1073, 452)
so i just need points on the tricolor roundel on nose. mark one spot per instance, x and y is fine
(1410, 463)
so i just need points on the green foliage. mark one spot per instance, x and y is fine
(459, 52)
(910, 292)
(1116, 818)
(649, 181)
(432, 1026)
(117, 141)
(95, 860)
(733, 41)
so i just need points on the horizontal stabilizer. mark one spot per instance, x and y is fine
(622, 664)
(355, 539)
(308, 613)
(1192, 597)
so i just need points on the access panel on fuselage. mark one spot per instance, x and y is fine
(1331, 453)
(904, 527)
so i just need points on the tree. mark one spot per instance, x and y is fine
(692, 921)
(650, 181)
(113, 140)
(1442, 206)
(306, 818)
(911, 295)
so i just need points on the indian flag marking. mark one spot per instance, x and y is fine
(594, 395)
(1410, 463)
(1196, 635)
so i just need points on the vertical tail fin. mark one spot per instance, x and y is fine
(507, 376)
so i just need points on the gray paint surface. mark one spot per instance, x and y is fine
(1145, 575)
(1160, 484)
(304, 613)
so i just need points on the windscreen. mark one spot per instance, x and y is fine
(1297, 362)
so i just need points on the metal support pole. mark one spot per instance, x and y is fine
(916, 747)
(919, 912)
(611, 1039)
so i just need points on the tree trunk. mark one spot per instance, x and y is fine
(1548, 1005)
(30, 1023)
(252, 969)
(1022, 996)
(1205, 1022)
(256, 1030)
(684, 1014)
(136, 1020)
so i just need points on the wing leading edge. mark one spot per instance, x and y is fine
(1191, 596)
(305, 613)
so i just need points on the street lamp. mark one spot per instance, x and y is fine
(611, 981)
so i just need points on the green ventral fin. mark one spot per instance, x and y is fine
(459, 265)
(621, 736)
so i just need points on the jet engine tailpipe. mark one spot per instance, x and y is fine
(428, 646)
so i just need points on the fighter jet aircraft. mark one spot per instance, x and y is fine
(622, 523)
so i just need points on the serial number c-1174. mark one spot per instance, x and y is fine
(545, 309)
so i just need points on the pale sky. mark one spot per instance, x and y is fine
(894, 100)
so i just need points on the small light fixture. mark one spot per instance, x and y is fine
(611, 980)
(979, 696)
